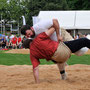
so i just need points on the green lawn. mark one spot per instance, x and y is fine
(23, 59)
(85, 59)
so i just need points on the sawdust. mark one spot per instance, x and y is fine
(19, 51)
(20, 77)
(26, 51)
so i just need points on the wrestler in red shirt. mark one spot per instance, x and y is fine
(39, 49)
(43, 47)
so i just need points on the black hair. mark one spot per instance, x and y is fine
(24, 28)
(26, 43)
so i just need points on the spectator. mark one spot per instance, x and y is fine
(19, 42)
(76, 36)
(23, 39)
(4, 43)
(1, 42)
(8, 42)
(14, 42)
(11, 36)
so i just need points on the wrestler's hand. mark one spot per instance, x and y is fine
(59, 38)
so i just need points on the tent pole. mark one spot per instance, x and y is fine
(74, 33)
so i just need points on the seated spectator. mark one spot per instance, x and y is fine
(14, 42)
(8, 42)
(19, 42)
(1, 42)
(23, 39)
(4, 43)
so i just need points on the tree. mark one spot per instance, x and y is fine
(86, 5)
(79, 4)
(3, 8)
(34, 6)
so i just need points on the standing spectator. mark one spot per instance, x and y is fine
(11, 36)
(80, 35)
(76, 36)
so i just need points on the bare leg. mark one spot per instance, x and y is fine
(61, 67)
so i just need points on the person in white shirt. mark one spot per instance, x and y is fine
(42, 26)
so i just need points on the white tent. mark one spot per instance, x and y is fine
(68, 19)
(65, 18)
(82, 20)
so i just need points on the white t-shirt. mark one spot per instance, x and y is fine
(44, 25)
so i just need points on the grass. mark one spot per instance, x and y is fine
(85, 59)
(23, 59)
(14, 59)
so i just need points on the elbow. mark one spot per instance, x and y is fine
(55, 21)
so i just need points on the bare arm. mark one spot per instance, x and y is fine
(36, 74)
(57, 27)
(50, 31)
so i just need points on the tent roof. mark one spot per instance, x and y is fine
(83, 19)
(68, 19)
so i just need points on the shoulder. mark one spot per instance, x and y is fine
(42, 35)
(39, 39)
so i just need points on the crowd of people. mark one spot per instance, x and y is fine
(15, 42)
(11, 42)
(80, 35)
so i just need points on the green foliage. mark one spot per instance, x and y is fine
(3, 7)
(11, 10)
(34, 6)
(14, 9)
(79, 4)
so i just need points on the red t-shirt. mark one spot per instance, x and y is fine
(42, 47)
(14, 40)
(19, 40)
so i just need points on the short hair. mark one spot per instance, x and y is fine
(24, 28)
(26, 43)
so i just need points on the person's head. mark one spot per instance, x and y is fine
(26, 43)
(27, 31)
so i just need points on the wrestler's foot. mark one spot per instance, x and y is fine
(64, 76)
